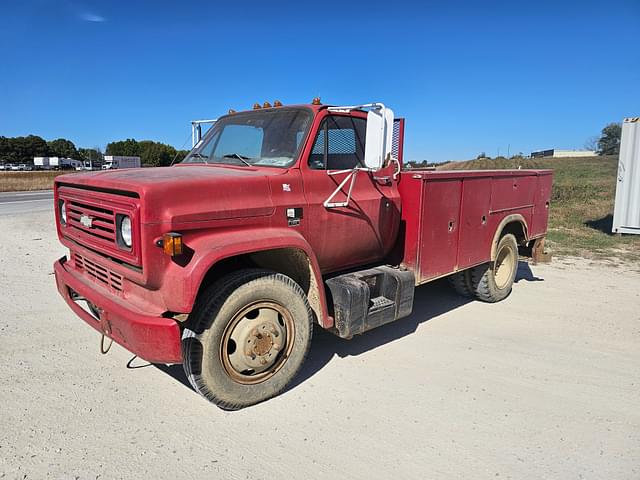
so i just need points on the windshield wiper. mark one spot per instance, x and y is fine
(239, 157)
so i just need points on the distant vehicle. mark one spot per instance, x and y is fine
(15, 168)
(2, 167)
(120, 161)
(28, 168)
(55, 163)
(87, 165)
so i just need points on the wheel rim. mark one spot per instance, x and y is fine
(503, 267)
(257, 342)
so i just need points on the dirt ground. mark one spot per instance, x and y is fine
(543, 385)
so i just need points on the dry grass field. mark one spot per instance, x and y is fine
(23, 181)
(581, 205)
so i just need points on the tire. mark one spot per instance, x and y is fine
(264, 312)
(493, 281)
(461, 283)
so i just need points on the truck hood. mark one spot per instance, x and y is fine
(187, 193)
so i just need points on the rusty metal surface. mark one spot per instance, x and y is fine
(538, 253)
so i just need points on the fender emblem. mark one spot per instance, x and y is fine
(86, 220)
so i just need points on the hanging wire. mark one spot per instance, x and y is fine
(181, 148)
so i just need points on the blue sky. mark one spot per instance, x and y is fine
(468, 76)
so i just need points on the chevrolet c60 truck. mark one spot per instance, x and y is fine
(282, 217)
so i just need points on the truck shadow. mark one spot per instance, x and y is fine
(430, 301)
(524, 273)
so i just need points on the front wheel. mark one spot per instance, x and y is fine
(493, 281)
(247, 338)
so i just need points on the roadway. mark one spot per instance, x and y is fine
(24, 202)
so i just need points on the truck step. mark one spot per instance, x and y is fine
(379, 303)
(370, 298)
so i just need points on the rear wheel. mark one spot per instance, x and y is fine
(461, 283)
(493, 281)
(247, 338)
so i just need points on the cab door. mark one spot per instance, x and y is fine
(365, 229)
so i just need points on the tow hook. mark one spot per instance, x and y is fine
(105, 326)
(104, 350)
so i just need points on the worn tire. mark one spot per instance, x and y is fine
(219, 309)
(461, 283)
(490, 282)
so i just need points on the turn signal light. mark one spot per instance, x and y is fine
(277, 103)
(172, 244)
(231, 111)
(316, 101)
(256, 106)
(266, 105)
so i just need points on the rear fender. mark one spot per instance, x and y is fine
(516, 218)
(211, 248)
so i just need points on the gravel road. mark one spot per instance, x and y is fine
(543, 385)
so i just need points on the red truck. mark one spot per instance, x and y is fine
(281, 218)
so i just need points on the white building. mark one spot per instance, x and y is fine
(555, 153)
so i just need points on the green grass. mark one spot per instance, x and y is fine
(581, 204)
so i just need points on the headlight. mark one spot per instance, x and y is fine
(63, 212)
(125, 231)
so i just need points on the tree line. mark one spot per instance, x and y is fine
(23, 149)
(156, 154)
(151, 153)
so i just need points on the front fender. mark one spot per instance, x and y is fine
(212, 247)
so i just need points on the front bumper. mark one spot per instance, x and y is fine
(155, 339)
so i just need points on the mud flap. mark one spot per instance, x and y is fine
(538, 253)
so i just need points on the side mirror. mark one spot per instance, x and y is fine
(379, 138)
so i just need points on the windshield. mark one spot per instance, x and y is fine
(261, 137)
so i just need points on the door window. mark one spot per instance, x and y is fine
(339, 144)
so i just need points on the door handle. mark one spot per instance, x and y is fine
(384, 180)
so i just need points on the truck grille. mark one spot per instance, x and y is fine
(99, 273)
(103, 225)
(92, 222)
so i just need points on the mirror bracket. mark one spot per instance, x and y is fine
(351, 175)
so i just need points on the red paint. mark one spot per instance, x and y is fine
(439, 229)
(155, 339)
(430, 222)
(451, 218)
(474, 233)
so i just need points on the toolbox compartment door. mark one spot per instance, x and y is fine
(440, 226)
